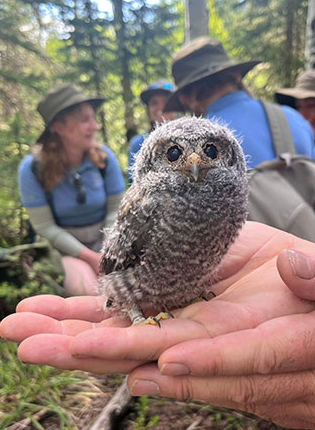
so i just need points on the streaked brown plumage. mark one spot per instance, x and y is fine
(177, 220)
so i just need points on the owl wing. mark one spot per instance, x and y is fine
(124, 246)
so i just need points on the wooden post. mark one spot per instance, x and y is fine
(196, 19)
(310, 36)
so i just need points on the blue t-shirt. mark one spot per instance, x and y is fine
(247, 118)
(134, 146)
(68, 211)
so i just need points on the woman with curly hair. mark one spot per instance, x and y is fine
(70, 185)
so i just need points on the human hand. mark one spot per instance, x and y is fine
(267, 370)
(91, 257)
(58, 331)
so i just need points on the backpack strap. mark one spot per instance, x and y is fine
(279, 128)
(48, 194)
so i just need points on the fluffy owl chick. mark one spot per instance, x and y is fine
(177, 220)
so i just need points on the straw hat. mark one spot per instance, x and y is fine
(198, 59)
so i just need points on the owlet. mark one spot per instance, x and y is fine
(184, 209)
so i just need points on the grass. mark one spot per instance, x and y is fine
(142, 422)
(28, 392)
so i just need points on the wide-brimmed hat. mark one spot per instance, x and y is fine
(60, 99)
(198, 59)
(304, 88)
(160, 86)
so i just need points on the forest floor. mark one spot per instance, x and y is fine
(147, 413)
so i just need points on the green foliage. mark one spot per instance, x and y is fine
(142, 421)
(31, 391)
(279, 42)
(13, 146)
(28, 270)
(216, 24)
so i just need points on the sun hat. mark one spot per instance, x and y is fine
(198, 59)
(160, 86)
(60, 99)
(304, 88)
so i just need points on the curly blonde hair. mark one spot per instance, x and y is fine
(51, 156)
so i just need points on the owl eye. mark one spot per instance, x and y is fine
(211, 151)
(173, 153)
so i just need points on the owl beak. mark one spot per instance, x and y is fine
(193, 166)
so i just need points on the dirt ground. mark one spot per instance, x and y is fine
(150, 412)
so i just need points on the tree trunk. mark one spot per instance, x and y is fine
(288, 47)
(310, 36)
(196, 19)
(124, 63)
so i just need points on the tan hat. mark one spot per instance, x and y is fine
(60, 99)
(304, 88)
(198, 59)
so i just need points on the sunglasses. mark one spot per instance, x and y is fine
(79, 187)
(165, 86)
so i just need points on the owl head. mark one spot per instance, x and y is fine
(189, 148)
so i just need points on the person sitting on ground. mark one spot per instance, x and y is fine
(154, 97)
(301, 97)
(209, 83)
(71, 186)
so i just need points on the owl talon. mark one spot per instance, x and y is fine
(209, 295)
(153, 320)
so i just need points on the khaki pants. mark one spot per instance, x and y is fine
(91, 235)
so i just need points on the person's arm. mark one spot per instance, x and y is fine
(44, 224)
(112, 206)
(34, 199)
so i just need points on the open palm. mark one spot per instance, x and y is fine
(75, 333)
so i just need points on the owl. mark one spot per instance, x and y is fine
(184, 209)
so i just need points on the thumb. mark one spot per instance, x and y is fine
(297, 271)
(147, 380)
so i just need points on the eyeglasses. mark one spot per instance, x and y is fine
(78, 185)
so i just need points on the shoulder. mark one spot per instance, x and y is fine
(296, 121)
(109, 153)
(136, 142)
(112, 165)
(25, 165)
(293, 115)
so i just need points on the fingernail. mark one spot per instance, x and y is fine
(142, 387)
(302, 266)
(174, 369)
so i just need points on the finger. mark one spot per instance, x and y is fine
(248, 393)
(201, 320)
(280, 345)
(297, 270)
(17, 327)
(256, 244)
(298, 414)
(89, 308)
(53, 350)
(136, 342)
